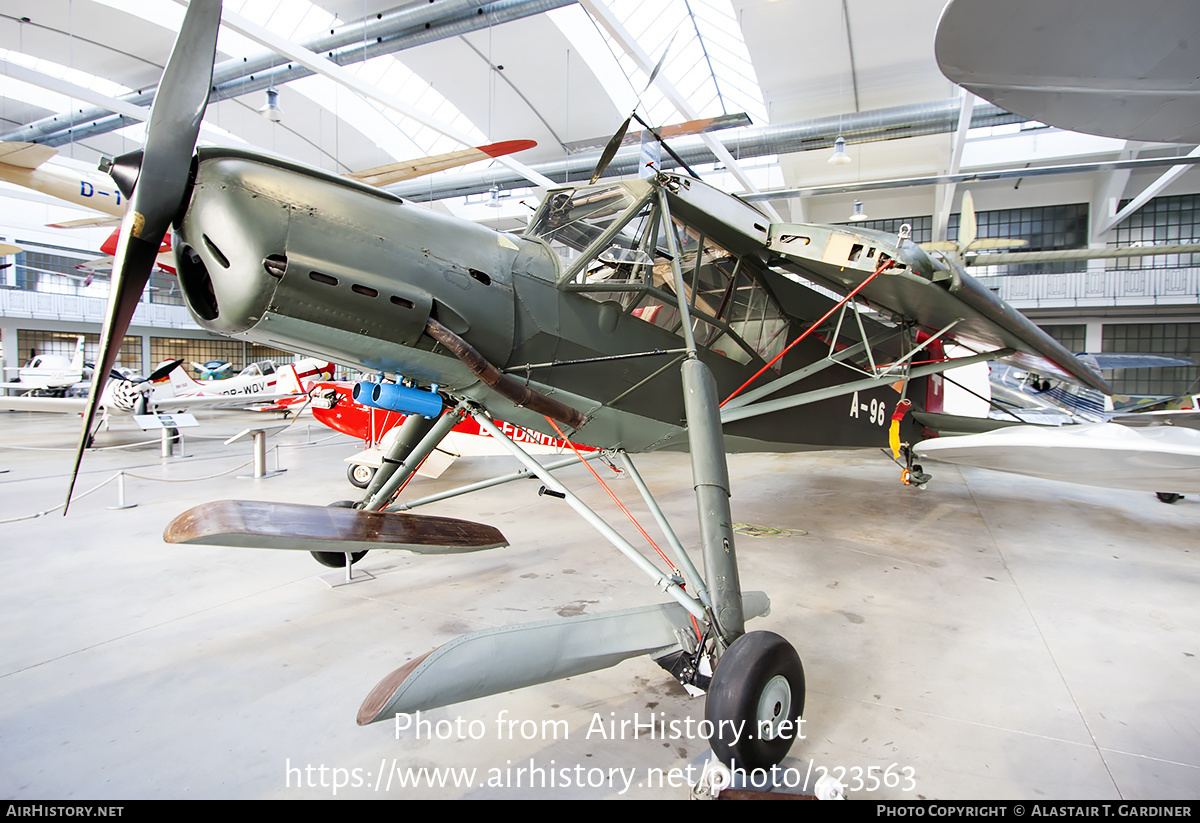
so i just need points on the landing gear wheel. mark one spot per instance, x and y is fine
(755, 701)
(337, 560)
(1169, 497)
(360, 476)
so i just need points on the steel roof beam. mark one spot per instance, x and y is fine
(396, 31)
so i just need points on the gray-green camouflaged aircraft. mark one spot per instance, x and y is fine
(638, 315)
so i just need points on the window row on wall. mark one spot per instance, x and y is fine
(69, 274)
(1164, 220)
(32, 342)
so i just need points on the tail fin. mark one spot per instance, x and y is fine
(289, 381)
(182, 382)
(77, 359)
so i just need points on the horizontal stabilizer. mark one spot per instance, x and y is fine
(1135, 360)
(264, 525)
(511, 657)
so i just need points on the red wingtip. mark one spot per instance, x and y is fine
(507, 147)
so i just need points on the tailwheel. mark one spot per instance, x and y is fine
(755, 701)
(337, 560)
(1169, 497)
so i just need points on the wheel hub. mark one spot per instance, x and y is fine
(774, 707)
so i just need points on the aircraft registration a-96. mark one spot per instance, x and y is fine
(633, 316)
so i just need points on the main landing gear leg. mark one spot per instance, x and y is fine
(394, 472)
(412, 430)
(418, 438)
(757, 693)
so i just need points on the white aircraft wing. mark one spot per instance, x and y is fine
(220, 401)
(76, 405)
(60, 405)
(1150, 458)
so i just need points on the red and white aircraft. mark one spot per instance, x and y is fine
(333, 404)
(169, 387)
(261, 381)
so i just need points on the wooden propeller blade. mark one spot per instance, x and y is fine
(408, 169)
(704, 124)
(265, 525)
(610, 151)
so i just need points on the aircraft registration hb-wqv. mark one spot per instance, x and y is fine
(631, 316)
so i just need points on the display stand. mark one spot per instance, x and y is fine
(260, 435)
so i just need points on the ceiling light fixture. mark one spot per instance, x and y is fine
(859, 215)
(271, 109)
(839, 156)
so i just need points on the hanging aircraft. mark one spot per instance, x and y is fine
(25, 165)
(1042, 61)
(631, 316)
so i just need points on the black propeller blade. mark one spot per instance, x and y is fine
(160, 188)
(163, 370)
(610, 150)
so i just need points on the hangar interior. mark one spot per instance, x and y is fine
(1003, 637)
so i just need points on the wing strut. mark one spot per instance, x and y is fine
(880, 269)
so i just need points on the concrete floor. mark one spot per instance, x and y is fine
(989, 637)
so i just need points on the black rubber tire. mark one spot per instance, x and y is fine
(337, 560)
(759, 678)
(360, 476)
(1169, 497)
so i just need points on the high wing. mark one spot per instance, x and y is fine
(936, 296)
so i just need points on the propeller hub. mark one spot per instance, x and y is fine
(124, 171)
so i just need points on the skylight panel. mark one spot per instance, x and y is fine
(52, 69)
(708, 61)
(302, 21)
